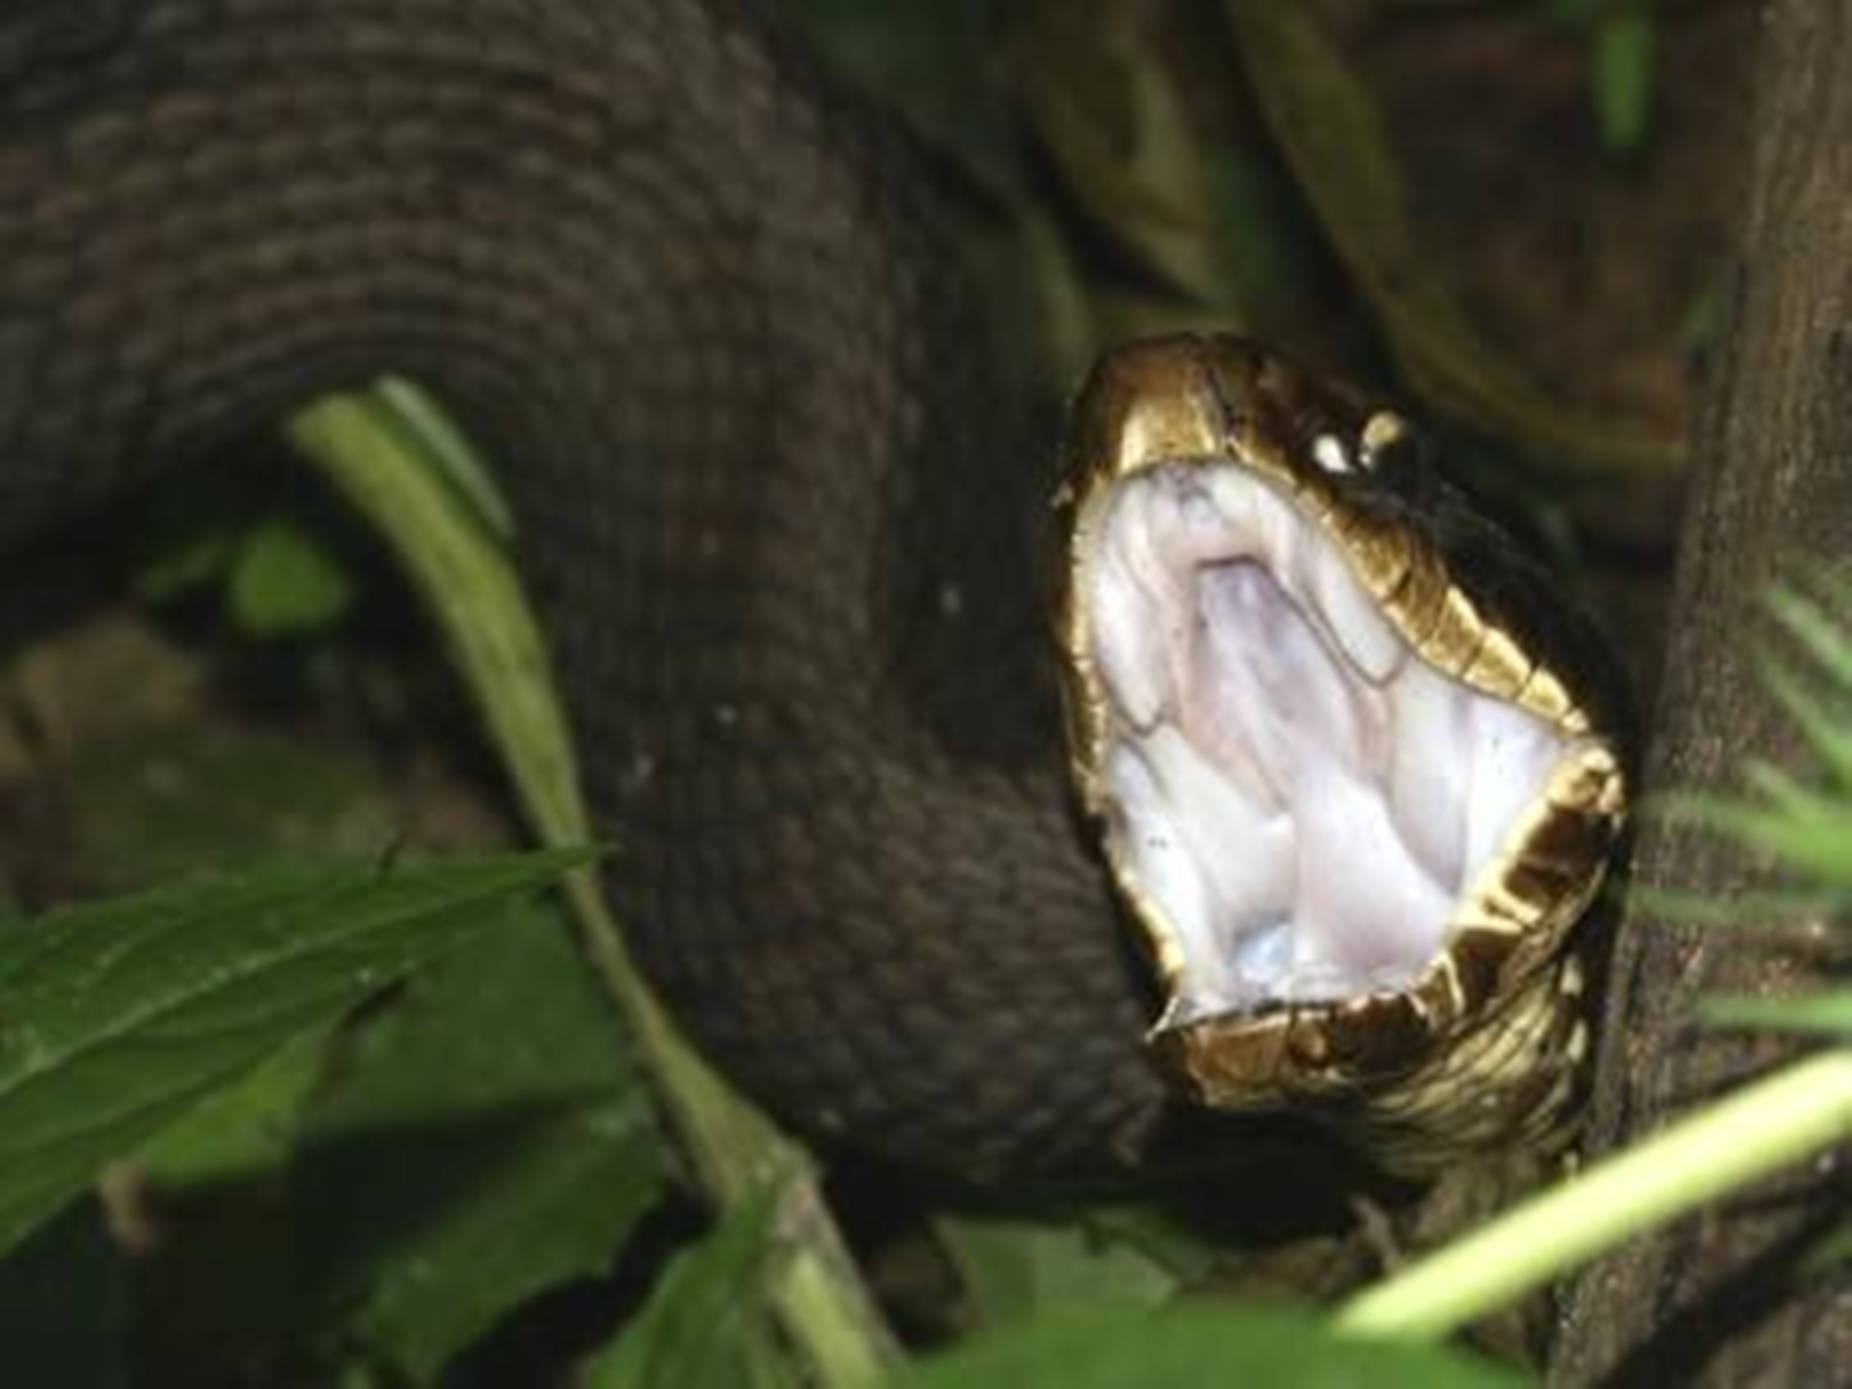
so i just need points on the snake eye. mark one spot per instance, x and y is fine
(1330, 454)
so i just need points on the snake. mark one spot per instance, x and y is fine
(923, 874)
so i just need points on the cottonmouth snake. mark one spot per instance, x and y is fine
(695, 302)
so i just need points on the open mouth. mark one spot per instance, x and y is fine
(1295, 798)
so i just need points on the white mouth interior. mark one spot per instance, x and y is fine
(1301, 797)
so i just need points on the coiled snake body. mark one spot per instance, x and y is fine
(695, 306)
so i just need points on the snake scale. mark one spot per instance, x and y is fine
(697, 305)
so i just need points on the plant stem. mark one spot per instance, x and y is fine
(1800, 1110)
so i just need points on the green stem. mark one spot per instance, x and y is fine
(1802, 1109)
(374, 451)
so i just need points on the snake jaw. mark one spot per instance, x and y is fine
(1263, 710)
(1353, 817)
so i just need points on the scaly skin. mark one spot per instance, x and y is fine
(692, 302)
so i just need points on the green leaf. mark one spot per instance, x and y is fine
(196, 559)
(1826, 1013)
(1810, 835)
(1808, 828)
(1014, 1268)
(1777, 910)
(1701, 325)
(1621, 78)
(1790, 807)
(696, 1329)
(1190, 1345)
(485, 1140)
(1832, 1251)
(117, 1017)
(1823, 637)
(1828, 732)
(284, 582)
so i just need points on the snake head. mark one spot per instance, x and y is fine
(1351, 770)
